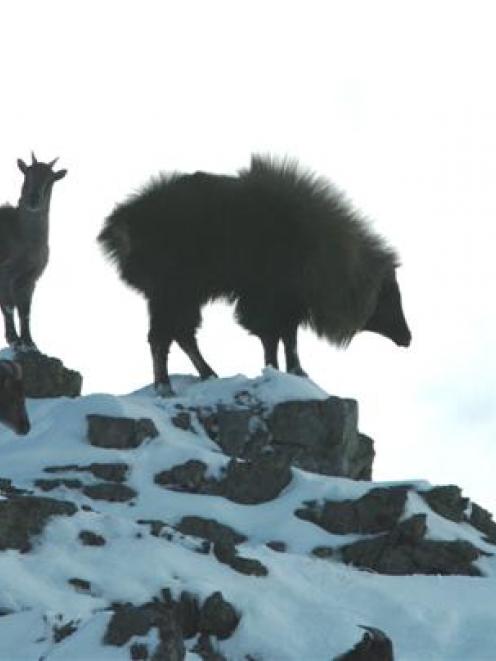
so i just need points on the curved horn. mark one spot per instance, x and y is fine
(33, 158)
(52, 163)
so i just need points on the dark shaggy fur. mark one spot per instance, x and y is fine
(280, 242)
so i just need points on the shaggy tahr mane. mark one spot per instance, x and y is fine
(280, 242)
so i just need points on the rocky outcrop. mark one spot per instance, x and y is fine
(374, 646)
(119, 433)
(320, 436)
(45, 376)
(22, 517)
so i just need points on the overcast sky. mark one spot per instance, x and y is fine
(393, 101)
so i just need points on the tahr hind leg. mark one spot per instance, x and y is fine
(189, 345)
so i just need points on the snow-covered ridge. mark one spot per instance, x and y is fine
(286, 580)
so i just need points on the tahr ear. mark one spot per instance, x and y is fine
(59, 175)
(22, 166)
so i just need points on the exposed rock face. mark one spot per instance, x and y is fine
(45, 376)
(376, 511)
(21, 517)
(209, 529)
(119, 433)
(174, 621)
(320, 436)
(247, 482)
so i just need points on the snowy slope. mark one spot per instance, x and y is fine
(305, 608)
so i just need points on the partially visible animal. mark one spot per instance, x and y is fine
(24, 248)
(280, 242)
(13, 412)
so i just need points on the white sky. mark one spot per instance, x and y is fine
(392, 100)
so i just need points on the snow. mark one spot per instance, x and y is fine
(306, 608)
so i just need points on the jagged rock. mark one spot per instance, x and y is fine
(257, 481)
(404, 551)
(320, 436)
(447, 501)
(21, 517)
(377, 511)
(218, 617)
(188, 614)
(190, 477)
(80, 584)
(182, 420)
(374, 646)
(45, 376)
(111, 472)
(205, 650)
(64, 631)
(278, 546)
(89, 538)
(209, 529)
(171, 645)
(114, 493)
(119, 433)
(50, 485)
(128, 621)
(227, 553)
(483, 521)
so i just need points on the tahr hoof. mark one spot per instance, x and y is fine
(298, 371)
(164, 390)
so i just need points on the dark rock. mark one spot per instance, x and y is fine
(257, 481)
(119, 433)
(316, 435)
(114, 493)
(321, 436)
(64, 631)
(377, 511)
(182, 420)
(218, 617)
(227, 553)
(128, 621)
(190, 477)
(405, 551)
(171, 645)
(323, 552)
(49, 485)
(138, 652)
(277, 546)
(8, 489)
(80, 584)
(248, 566)
(205, 650)
(157, 527)
(483, 521)
(89, 538)
(115, 472)
(24, 516)
(241, 433)
(374, 646)
(447, 501)
(44, 376)
(209, 529)
(188, 614)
